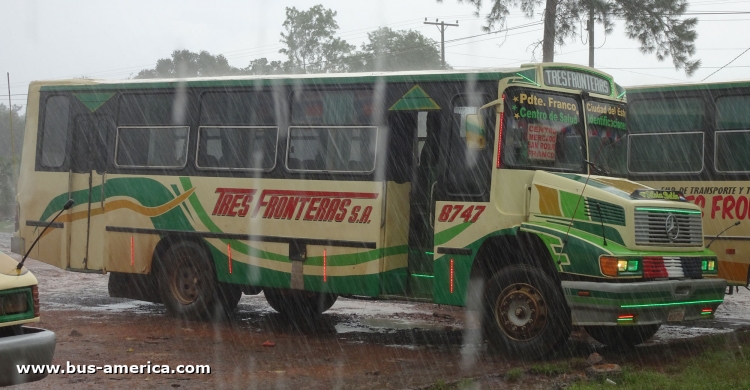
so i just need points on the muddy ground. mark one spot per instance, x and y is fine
(356, 344)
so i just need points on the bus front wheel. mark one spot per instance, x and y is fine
(525, 314)
(189, 287)
(299, 304)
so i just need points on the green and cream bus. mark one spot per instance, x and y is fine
(460, 187)
(702, 135)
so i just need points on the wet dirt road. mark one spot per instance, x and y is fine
(356, 344)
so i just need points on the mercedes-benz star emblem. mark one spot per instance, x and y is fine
(672, 227)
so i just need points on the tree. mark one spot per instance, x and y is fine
(7, 175)
(262, 66)
(185, 63)
(310, 44)
(656, 24)
(398, 50)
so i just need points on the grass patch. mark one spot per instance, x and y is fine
(463, 384)
(439, 385)
(513, 375)
(723, 365)
(551, 369)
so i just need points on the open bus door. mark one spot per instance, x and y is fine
(413, 145)
(86, 185)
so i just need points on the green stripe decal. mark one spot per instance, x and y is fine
(450, 233)
(672, 304)
(93, 100)
(660, 210)
(241, 247)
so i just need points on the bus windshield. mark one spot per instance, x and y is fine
(542, 131)
(607, 135)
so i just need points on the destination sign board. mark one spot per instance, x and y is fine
(567, 78)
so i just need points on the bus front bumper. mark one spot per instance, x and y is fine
(643, 303)
(34, 346)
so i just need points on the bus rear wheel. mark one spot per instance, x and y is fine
(299, 304)
(525, 315)
(188, 284)
(622, 336)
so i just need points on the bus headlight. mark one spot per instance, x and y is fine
(613, 266)
(708, 265)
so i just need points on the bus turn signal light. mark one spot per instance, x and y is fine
(609, 265)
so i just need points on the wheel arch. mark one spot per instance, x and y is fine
(499, 252)
(167, 241)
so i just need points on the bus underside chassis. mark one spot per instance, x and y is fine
(524, 312)
(299, 304)
(622, 336)
(188, 285)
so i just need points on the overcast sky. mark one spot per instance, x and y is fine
(47, 39)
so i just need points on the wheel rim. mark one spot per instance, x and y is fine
(521, 312)
(185, 281)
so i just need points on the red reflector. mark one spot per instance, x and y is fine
(707, 310)
(626, 316)
(730, 251)
(132, 251)
(229, 253)
(653, 267)
(451, 277)
(500, 133)
(584, 293)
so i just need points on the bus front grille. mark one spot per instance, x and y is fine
(653, 228)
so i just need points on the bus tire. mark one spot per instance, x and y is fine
(299, 304)
(524, 312)
(188, 284)
(622, 336)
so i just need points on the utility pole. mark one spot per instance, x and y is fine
(442, 26)
(12, 138)
(590, 29)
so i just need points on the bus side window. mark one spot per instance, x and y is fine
(334, 149)
(154, 147)
(732, 134)
(237, 131)
(330, 131)
(55, 131)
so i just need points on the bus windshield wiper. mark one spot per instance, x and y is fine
(597, 168)
(66, 206)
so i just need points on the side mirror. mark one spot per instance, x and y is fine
(475, 132)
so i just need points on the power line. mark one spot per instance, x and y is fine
(442, 28)
(717, 70)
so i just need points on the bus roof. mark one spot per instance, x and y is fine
(285, 79)
(688, 86)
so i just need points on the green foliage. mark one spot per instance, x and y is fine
(551, 369)
(712, 370)
(658, 25)
(7, 176)
(389, 50)
(439, 385)
(513, 375)
(19, 122)
(263, 66)
(311, 46)
(185, 63)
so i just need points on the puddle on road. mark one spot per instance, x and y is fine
(669, 333)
